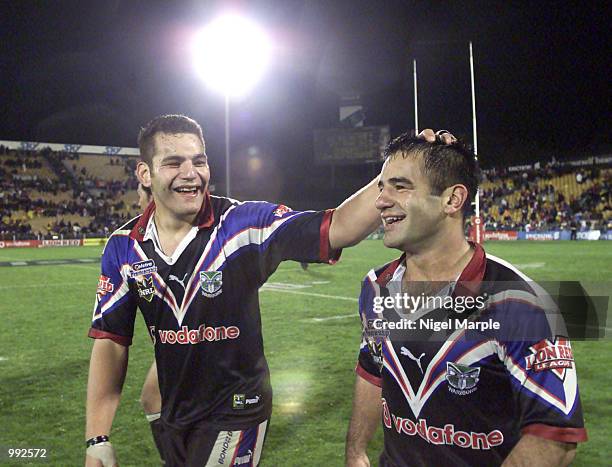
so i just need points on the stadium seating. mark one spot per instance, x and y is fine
(44, 194)
(99, 167)
(551, 198)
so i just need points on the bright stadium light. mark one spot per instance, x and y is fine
(231, 54)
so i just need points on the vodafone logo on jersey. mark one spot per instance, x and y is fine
(195, 336)
(448, 435)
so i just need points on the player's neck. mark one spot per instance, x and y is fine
(171, 230)
(443, 259)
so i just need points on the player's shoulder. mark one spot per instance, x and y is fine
(126, 229)
(511, 288)
(381, 275)
(256, 211)
(502, 270)
(220, 204)
(121, 237)
(504, 276)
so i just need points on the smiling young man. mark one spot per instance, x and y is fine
(455, 396)
(193, 264)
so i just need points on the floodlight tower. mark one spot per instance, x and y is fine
(231, 54)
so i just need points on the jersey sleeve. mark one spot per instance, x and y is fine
(115, 307)
(279, 233)
(543, 375)
(370, 351)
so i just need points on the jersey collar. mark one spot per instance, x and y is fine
(205, 218)
(470, 277)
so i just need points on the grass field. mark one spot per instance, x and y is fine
(311, 332)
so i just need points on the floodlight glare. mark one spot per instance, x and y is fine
(231, 54)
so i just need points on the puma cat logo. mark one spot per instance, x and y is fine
(172, 277)
(407, 352)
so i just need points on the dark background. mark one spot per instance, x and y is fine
(93, 72)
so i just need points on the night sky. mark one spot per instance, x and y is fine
(93, 72)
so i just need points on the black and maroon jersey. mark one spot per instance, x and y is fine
(201, 305)
(466, 398)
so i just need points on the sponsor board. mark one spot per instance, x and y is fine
(52, 243)
(552, 235)
(501, 235)
(589, 235)
(60, 243)
(94, 241)
(19, 243)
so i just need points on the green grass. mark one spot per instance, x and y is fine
(46, 312)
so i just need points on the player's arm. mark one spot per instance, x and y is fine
(364, 421)
(150, 397)
(357, 216)
(548, 401)
(107, 369)
(534, 451)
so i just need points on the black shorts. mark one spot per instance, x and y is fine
(206, 446)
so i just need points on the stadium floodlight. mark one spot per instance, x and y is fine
(231, 54)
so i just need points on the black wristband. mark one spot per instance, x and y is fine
(96, 440)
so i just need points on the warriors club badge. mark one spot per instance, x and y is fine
(211, 283)
(461, 379)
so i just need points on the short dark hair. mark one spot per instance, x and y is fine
(171, 124)
(444, 165)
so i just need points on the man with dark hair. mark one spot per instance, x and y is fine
(193, 263)
(170, 125)
(452, 391)
(444, 165)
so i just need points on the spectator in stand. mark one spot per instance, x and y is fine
(573, 230)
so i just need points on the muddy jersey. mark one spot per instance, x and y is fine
(465, 399)
(201, 305)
